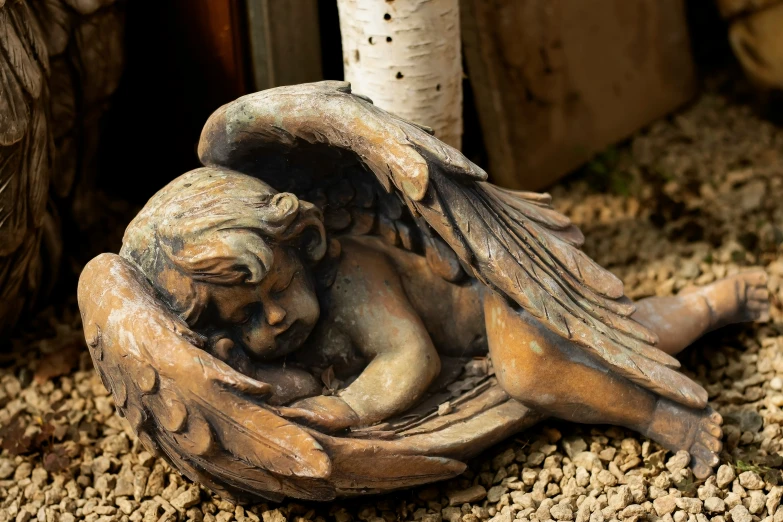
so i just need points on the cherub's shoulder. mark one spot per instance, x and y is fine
(364, 275)
(362, 260)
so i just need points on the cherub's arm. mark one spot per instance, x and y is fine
(288, 384)
(370, 306)
(386, 329)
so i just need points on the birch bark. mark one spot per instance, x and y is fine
(406, 56)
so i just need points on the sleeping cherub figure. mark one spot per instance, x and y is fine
(324, 232)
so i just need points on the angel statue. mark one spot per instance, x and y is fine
(303, 316)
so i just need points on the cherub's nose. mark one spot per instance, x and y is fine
(274, 314)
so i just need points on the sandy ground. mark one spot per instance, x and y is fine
(691, 198)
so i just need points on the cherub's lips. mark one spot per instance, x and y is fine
(287, 333)
(284, 329)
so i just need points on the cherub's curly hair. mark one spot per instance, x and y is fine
(216, 226)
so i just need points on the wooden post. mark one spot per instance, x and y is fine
(285, 47)
(405, 55)
(555, 81)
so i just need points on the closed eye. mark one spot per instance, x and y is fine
(281, 288)
(247, 313)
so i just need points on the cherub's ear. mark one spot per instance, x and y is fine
(186, 297)
(307, 230)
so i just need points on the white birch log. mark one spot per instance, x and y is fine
(406, 56)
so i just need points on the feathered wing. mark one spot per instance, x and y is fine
(318, 140)
(25, 156)
(209, 420)
(55, 56)
(212, 422)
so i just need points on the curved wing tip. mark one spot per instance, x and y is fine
(338, 85)
(96, 268)
(213, 142)
(319, 465)
(416, 184)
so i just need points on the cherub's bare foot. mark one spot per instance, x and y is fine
(698, 432)
(737, 299)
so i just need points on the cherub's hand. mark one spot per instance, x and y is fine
(325, 413)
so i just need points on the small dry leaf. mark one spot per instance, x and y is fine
(14, 439)
(58, 363)
(331, 383)
(56, 460)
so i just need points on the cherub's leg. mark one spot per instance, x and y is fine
(553, 375)
(682, 319)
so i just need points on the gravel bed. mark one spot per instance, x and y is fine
(690, 199)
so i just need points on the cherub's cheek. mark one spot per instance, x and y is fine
(257, 338)
(302, 301)
(312, 310)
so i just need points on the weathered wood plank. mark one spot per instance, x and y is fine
(284, 41)
(555, 81)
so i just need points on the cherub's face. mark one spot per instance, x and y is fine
(274, 317)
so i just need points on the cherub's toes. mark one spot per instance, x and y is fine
(709, 441)
(714, 417)
(707, 445)
(756, 277)
(757, 303)
(761, 316)
(758, 295)
(711, 431)
(704, 455)
(700, 469)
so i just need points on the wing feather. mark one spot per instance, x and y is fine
(14, 106)
(215, 425)
(512, 241)
(55, 20)
(509, 265)
(19, 53)
(25, 145)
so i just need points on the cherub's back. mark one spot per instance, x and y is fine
(452, 312)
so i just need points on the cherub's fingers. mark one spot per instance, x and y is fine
(313, 420)
(321, 412)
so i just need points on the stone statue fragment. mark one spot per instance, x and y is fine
(310, 313)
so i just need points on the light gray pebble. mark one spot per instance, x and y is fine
(739, 513)
(634, 510)
(464, 496)
(542, 513)
(23, 471)
(606, 478)
(714, 505)
(689, 505)
(678, 462)
(535, 459)
(587, 460)
(757, 501)
(562, 512)
(7, 468)
(665, 505)
(582, 477)
(188, 498)
(732, 499)
(773, 499)
(751, 480)
(621, 498)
